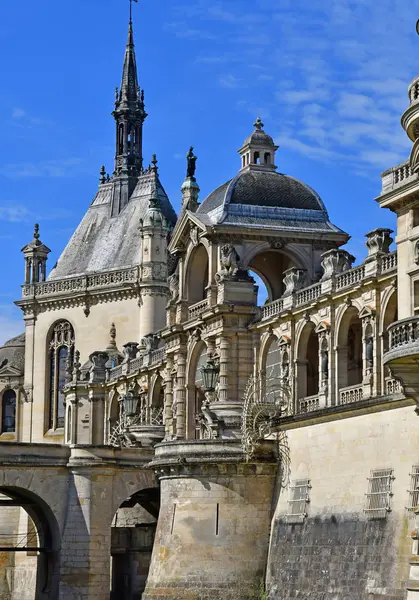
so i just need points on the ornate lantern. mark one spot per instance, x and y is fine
(130, 404)
(210, 375)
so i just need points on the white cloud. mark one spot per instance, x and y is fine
(229, 81)
(47, 168)
(18, 113)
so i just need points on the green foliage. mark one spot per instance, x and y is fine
(262, 591)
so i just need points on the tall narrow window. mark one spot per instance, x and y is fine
(414, 489)
(8, 412)
(379, 493)
(299, 498)
(61, 358)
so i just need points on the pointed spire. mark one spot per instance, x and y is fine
(129, 86)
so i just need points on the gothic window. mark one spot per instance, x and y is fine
(61, 350)
(8, 412)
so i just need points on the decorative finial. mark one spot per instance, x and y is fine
(130, 9)
(191, 158)
(112, 336)
(102, 174)
(36, 235)
(258, 124)
(116, 95)
(76, 366)
(154, 161)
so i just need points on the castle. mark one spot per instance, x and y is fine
(163, 436)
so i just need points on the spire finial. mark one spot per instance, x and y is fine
(36, 235)
(130, 10)
(258, 124)
(154, 162)
(112, 337)
(102, 174)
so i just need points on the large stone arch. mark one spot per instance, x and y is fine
(349, 346)
(307, 362)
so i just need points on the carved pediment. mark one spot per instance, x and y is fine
(366, 311)
(189, 227)
(10, 371)
(322, 327)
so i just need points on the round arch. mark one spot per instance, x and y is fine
(307, 362)
(197, 274)
(48, 538)
(195, 393)
(349, 348)
(269, 264)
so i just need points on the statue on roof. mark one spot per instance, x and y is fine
(191, 158)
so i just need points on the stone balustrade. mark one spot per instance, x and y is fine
(196, 310)
(350, 277)
(350, 394)
(158, 356)
(272, 309)
(414, 91)
(87, 283)
(308, 404)
(389, 262)
(396, 177)
(308, 294)
(392, 386)
(403, 333)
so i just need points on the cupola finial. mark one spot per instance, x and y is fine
(258, 124)
(36, 235)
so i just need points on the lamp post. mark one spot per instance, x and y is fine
(130, 404)
(210, 375)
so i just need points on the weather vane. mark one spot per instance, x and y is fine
(130, 8)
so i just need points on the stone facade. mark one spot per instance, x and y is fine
(163, 436)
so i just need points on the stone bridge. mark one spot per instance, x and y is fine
(72, 494)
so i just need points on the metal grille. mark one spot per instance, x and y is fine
(299, 499)
(413, 491)
(379, 493)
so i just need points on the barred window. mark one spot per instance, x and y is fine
(413, 491)
(299, 498)
(8, 412)
(61, 353)
(379, 493)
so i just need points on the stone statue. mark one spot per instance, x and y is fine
(229, 260)
(190, 173)
(173, 282)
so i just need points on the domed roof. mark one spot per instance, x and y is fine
(259, 137)
(264, 189)
(12, 353)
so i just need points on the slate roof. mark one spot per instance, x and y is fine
(257, 198)
(102, 242)
(12, 353)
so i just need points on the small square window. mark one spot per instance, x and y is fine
(379, 493)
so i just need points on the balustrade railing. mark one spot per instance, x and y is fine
(403, 333)
(158, 356)
(309, 294)
(351, 277)
(389, 262)
(116, 372)
(197, 309)
(308, 404)
(350, 394)
(392, 386)
(73, 285)
(272, 309)
(135, 364)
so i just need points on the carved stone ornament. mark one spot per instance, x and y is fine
(149, 343)
(98, 368)
(379, 241)
(416, 252)
(173, 282)
(194, 236)
(294, 280)
(130, 351)
(336, 261)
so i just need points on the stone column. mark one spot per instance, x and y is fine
(168, 398)
(27, 407)
(224, 368)
(181, 395)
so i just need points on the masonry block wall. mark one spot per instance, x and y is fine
(340, 550)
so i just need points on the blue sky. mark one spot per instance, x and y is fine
(329, 79)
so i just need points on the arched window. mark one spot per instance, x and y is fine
(61, 351)
(197, 275)
(273, 360)
(8, 412)
(267, 158)
(256, 158)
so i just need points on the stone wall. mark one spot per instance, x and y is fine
(338, 550)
